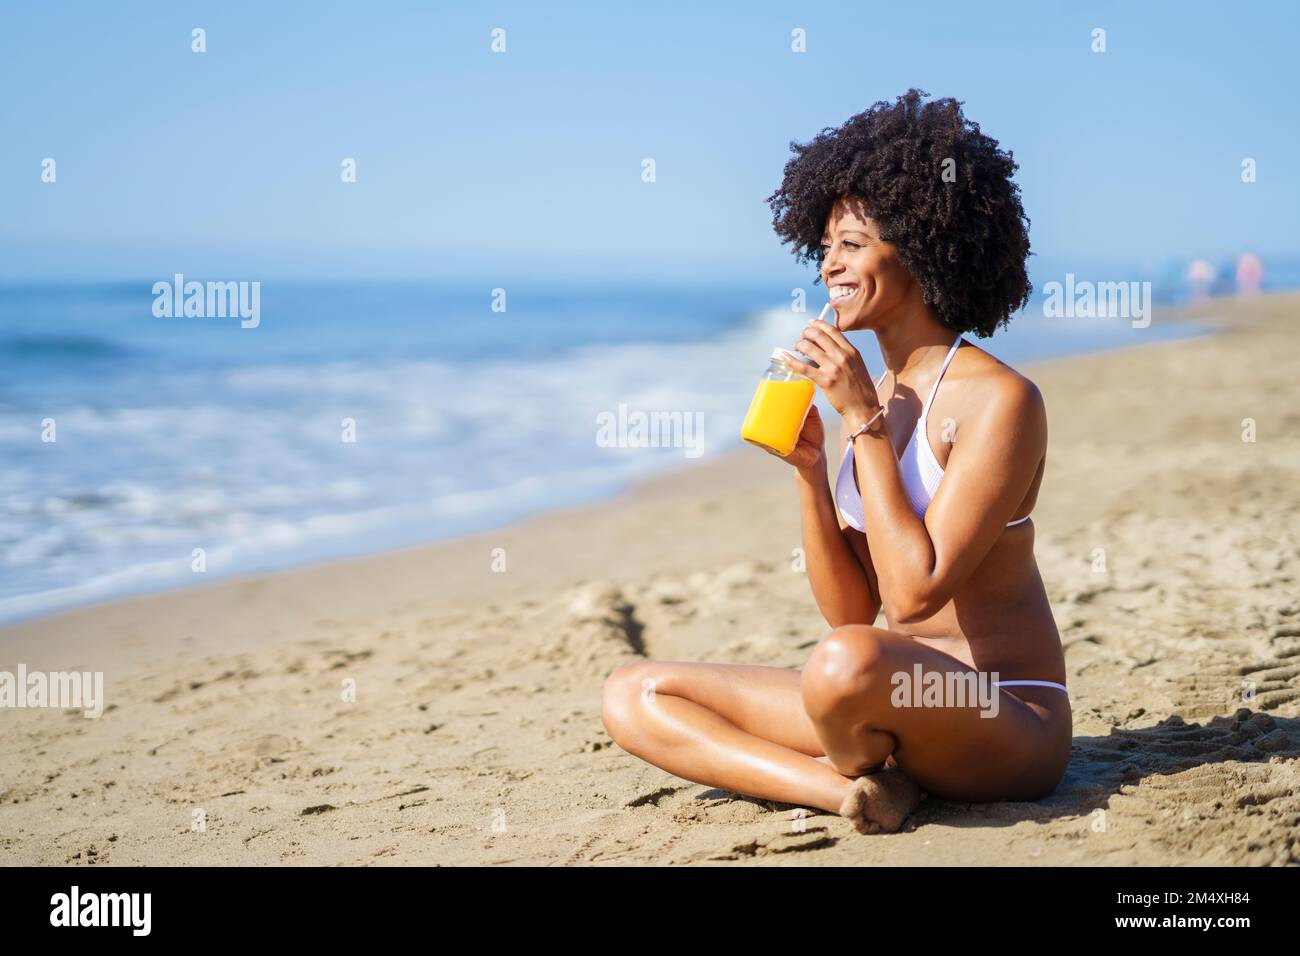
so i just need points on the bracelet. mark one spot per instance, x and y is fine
(864, 427)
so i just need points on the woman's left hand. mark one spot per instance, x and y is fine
(841, 373)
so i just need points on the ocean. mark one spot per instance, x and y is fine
(361, 417)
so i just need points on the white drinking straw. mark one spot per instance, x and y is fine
(834, 320)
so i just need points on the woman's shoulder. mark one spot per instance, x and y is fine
(997, 393)
(988, 374)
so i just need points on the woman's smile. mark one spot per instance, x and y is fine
(844, 291)
(846, 296)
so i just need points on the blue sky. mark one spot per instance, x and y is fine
(528, 163)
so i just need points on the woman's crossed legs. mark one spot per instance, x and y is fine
(807, 737)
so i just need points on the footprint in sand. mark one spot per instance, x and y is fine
(589, 631)
(260, 751)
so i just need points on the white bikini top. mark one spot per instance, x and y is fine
(920, 469)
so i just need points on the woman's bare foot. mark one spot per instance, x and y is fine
(880, 801)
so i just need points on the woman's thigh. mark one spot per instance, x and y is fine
(962, 749)
(760, 700)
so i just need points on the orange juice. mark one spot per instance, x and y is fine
(780, 405)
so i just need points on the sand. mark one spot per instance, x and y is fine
(475, 734)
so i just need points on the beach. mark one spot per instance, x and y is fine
(440, 705)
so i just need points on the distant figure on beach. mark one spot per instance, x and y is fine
(1250, 274)
(916, 224)
(1200, 278)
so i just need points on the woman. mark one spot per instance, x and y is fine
(917, 227)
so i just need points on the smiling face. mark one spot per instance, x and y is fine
(866, 281)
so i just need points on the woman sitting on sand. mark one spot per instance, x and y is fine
(912, 215)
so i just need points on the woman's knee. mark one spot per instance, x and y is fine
(624, 689)
(846, 669)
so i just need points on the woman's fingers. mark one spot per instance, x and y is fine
(827, 345)
(834, 334)
(813, 349)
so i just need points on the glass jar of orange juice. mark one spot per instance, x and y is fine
(780, 405)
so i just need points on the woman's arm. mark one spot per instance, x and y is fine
(921, 564)
(840, 583)
(988, 473)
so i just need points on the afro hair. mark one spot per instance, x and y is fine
(939, 190)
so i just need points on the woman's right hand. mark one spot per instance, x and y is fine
(810, 450)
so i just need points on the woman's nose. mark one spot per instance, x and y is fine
(830, 263)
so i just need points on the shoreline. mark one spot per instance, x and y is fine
(138, 576)
(727, 468)
(472, 733)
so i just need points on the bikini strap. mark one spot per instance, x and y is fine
(925, 411)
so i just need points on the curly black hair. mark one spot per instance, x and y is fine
(965, 242)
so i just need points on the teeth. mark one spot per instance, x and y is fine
(840, 291)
